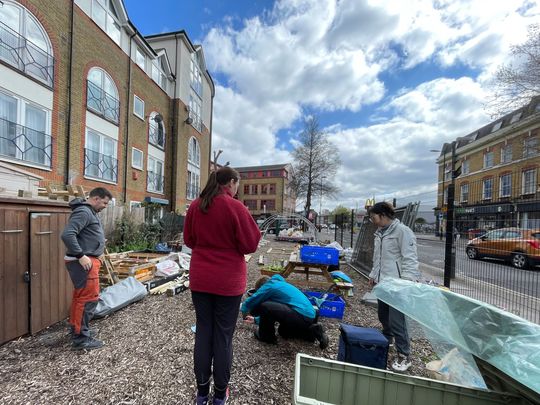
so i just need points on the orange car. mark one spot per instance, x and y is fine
(519, 246)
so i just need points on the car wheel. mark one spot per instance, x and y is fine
(472, 253)
(519, 260)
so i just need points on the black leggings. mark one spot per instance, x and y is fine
(216, 321)
(291, 323)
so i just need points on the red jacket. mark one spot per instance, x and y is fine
(219, 239)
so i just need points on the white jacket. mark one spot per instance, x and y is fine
(394, 254)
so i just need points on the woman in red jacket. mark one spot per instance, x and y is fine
(220, 231)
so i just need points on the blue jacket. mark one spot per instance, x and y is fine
(278, 290)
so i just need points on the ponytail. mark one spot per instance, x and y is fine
(213, 186)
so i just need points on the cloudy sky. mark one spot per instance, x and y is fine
(389, 80)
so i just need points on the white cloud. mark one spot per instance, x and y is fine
(329, 55)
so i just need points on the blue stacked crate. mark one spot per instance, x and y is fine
(333, 305)
(319, 255)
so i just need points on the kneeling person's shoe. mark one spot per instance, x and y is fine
(401, 363)
(319, 334)
(88, 344)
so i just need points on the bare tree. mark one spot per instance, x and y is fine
(316, 161)
(517, 83)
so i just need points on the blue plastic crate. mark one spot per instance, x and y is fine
(333, 305)
(319, 255)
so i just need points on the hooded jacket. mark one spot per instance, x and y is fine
(394, 254)
(83, 234)
(278, 290)
(219, 239)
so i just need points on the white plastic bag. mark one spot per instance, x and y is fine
(167, 268)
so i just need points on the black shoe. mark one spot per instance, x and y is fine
(91, 333)
(258, 337)
(319, 334)
(88, 344)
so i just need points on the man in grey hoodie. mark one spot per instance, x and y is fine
(85, 242)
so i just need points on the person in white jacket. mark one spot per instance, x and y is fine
(394, 256)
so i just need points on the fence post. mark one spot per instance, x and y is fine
(352, 227)
(449, 247)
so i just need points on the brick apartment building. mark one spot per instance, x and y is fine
(497, 181)
(85, 99)
(265, 189)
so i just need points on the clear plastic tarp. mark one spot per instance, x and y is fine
(506, 341)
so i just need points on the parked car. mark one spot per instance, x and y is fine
(333, 226)
(521, 247)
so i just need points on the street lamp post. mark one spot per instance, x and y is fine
(442, 188)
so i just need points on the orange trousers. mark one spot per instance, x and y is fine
(85, 295)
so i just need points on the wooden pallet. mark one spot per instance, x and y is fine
(67, 191)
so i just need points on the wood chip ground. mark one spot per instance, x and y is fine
(148, 357)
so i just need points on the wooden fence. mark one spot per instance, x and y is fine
(111, 215)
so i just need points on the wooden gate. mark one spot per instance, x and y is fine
(50, 287)
(14, 294)
(35, 290)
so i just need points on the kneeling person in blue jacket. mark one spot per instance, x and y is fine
(275, 300)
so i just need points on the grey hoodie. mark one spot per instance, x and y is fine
(83, 234)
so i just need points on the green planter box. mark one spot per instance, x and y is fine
(319, 381)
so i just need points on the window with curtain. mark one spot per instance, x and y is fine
(24, 131)
(24, 43)
(102, 95)
(155, 180)
(100, 156)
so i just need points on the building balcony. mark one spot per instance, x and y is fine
(155, 182)
(156, 137)
(102, 103)
(99, 166)
(25, 144)
(25, 56)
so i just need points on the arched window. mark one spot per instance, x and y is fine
(193, 169)
(102, 95)
(24, 43)
(156, 130)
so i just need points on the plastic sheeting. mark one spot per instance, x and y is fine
(119, 295)
(507, 342)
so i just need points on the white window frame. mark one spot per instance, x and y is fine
(464, 193)
(152, 165)
(111, 26)
(502, 192)
(140, 58)
(158, 75)
(30, 46)
(141, 103)
(193, 169)
(195, 75)
(465, 167)
(153, 128)
(506, 153)
(103, 88)
(530, 147)
(496, 126)
(133, 153)
(134, 204)
(195, 110)
(20, 119)
(102, 139)
(528, 185)
(485, 189)
(488, 160)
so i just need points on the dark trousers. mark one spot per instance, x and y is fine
(216, 321)
(85, 297)
(394, 326)
(291, 323)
